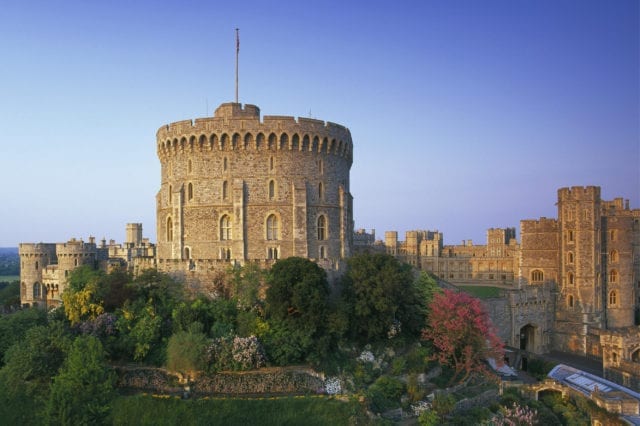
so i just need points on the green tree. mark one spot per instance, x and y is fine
(30, 364)
(385, 393)
(218, 316)
(10, 294)
(186, 350)
(285, 343)
(141, 330)
(443, 404)
(81, 394)
(82, 276)
(427, 287)
(14, 326)
(158, 289)
(379, 294)
(297, 309)
(247, 282)
(115, 288)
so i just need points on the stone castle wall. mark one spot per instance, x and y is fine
(226, 178)
(495, 263)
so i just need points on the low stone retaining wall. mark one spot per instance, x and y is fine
(148, 379)
(270, 381)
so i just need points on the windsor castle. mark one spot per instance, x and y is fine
(238, 188)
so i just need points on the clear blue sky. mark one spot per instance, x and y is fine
(465, 115)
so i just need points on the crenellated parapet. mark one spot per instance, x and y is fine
(28, 250)
(235, 127)
(579, 193)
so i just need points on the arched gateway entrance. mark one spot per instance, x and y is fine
(528, 338)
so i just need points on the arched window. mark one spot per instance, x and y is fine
(272, 253)
(570, 301)
(321, 166)
(570, 257)
(570, 236)
(537, 276)
(612, 235)
(37, 291)
(613, 276)
(260, 141)
(170, 193)
(272, 227)
(270, 163)
(323, 252)
(272, 141)
(225, 164)
(570, 278)
(187, 253)
(322, 228)
(75, 262)
(272, 189)
(613, 298)
(37, 265)
(225, 228)
(284, 141)
(189, 167)
(614, 356)
(169, 229)
(225, 190)
(320, 191)
(613, 257)
(190, 191)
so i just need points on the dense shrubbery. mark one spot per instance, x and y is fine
(375, 336)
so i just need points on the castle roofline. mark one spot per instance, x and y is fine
(237, 110)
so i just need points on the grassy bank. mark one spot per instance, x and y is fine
(9, 278)
(164, 410)
(481, 292)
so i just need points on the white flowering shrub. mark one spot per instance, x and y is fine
(332, 386)
(366, 356)
(237, 353)
(419, 406)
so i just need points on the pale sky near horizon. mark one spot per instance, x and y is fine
(465, 115)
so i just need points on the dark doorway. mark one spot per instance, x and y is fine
(527, 338)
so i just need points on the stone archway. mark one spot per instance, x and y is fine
(528, 341)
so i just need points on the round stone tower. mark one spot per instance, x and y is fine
(34, 258)
(238, 188)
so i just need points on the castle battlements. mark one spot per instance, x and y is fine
(37, 249)
(586, 193)
(234, 128)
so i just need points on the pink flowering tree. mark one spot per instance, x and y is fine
(461, 333)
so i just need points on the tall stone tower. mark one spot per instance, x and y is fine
(598, 267)
(133, 234)
(581, 305)
(236, 188)
(620, 261)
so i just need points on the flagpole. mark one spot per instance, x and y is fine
(237, 52)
